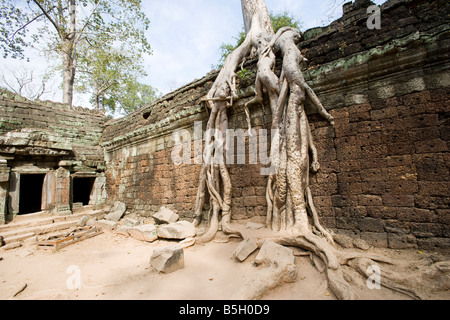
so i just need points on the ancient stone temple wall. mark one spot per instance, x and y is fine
(384, 165)
(44, 148)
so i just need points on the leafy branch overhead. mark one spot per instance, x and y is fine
(77, 31)
(279, 20)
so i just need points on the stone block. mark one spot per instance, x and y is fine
(106, 225)
(254, 225)
(168, 259)
(401, 241)
(165, 216)
(179, 230)
(375, 239)
(130, 222)
(371, 225)
(83, 220)
(117, 211)
(145, 233)
(274, 254)
(245, 249)
(343, 240)
(123, 230)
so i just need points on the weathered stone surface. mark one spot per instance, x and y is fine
(179, 230)
(123, 230)
(106, 225)
(245, 249)
(254, 226)
(361, 244)
(401, 241)
(343, 240)
(12, 245)
(165, 216)
(130, 222)
(168, 259)
(117, 211)
(278, 267)
(386, 156)
(274, 254)
(83, 220)
(143, 233)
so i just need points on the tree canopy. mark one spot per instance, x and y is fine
(85, 35)
(279, 20)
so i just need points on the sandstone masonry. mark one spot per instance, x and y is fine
(385, 164)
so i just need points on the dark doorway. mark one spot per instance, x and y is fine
(30, 197)
(82, 188)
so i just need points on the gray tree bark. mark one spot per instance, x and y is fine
(68, 47)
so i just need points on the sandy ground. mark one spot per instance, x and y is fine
(112, 267)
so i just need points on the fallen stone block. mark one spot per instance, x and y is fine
(117, 211)
(343, 240)
(143, 233)
(168, 259)
(254, 226)
(165, 216)
(245, 249)
(123, 230)
(130, 222)
(278, 267)
(106, 225)
(178, 231)
(361, 244)
(12, 245)
(188, 242)
(83, 220)
(272, 253)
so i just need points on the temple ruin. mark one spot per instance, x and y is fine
(384, 174)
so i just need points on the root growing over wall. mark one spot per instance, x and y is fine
(290, 208)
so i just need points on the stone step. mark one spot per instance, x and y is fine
(18, 238)
(25, 231)
(38, 230)
(35, 219)
(41, 219)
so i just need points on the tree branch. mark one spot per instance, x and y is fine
(30, 22)
(55, 23)
(81, 32)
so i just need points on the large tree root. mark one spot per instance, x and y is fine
(322, 249)
(260, 282)
(289, 198)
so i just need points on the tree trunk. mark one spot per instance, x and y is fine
(68, 46)
(256, 9)
(68, 73)
(289, 198)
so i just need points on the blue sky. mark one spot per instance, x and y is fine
(186, 35)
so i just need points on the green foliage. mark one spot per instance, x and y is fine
(12, 36)
(245, 74)
(279, 21)
(120, 21)
(105, 38)
(111, 76)
(284, 19)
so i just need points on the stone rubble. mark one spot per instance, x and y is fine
(178, 231)
(245, 249)
(168, 259)
(165, 216)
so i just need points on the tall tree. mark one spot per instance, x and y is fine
(111, 76)
(291, 215)
(65, 25)
(279, 20)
